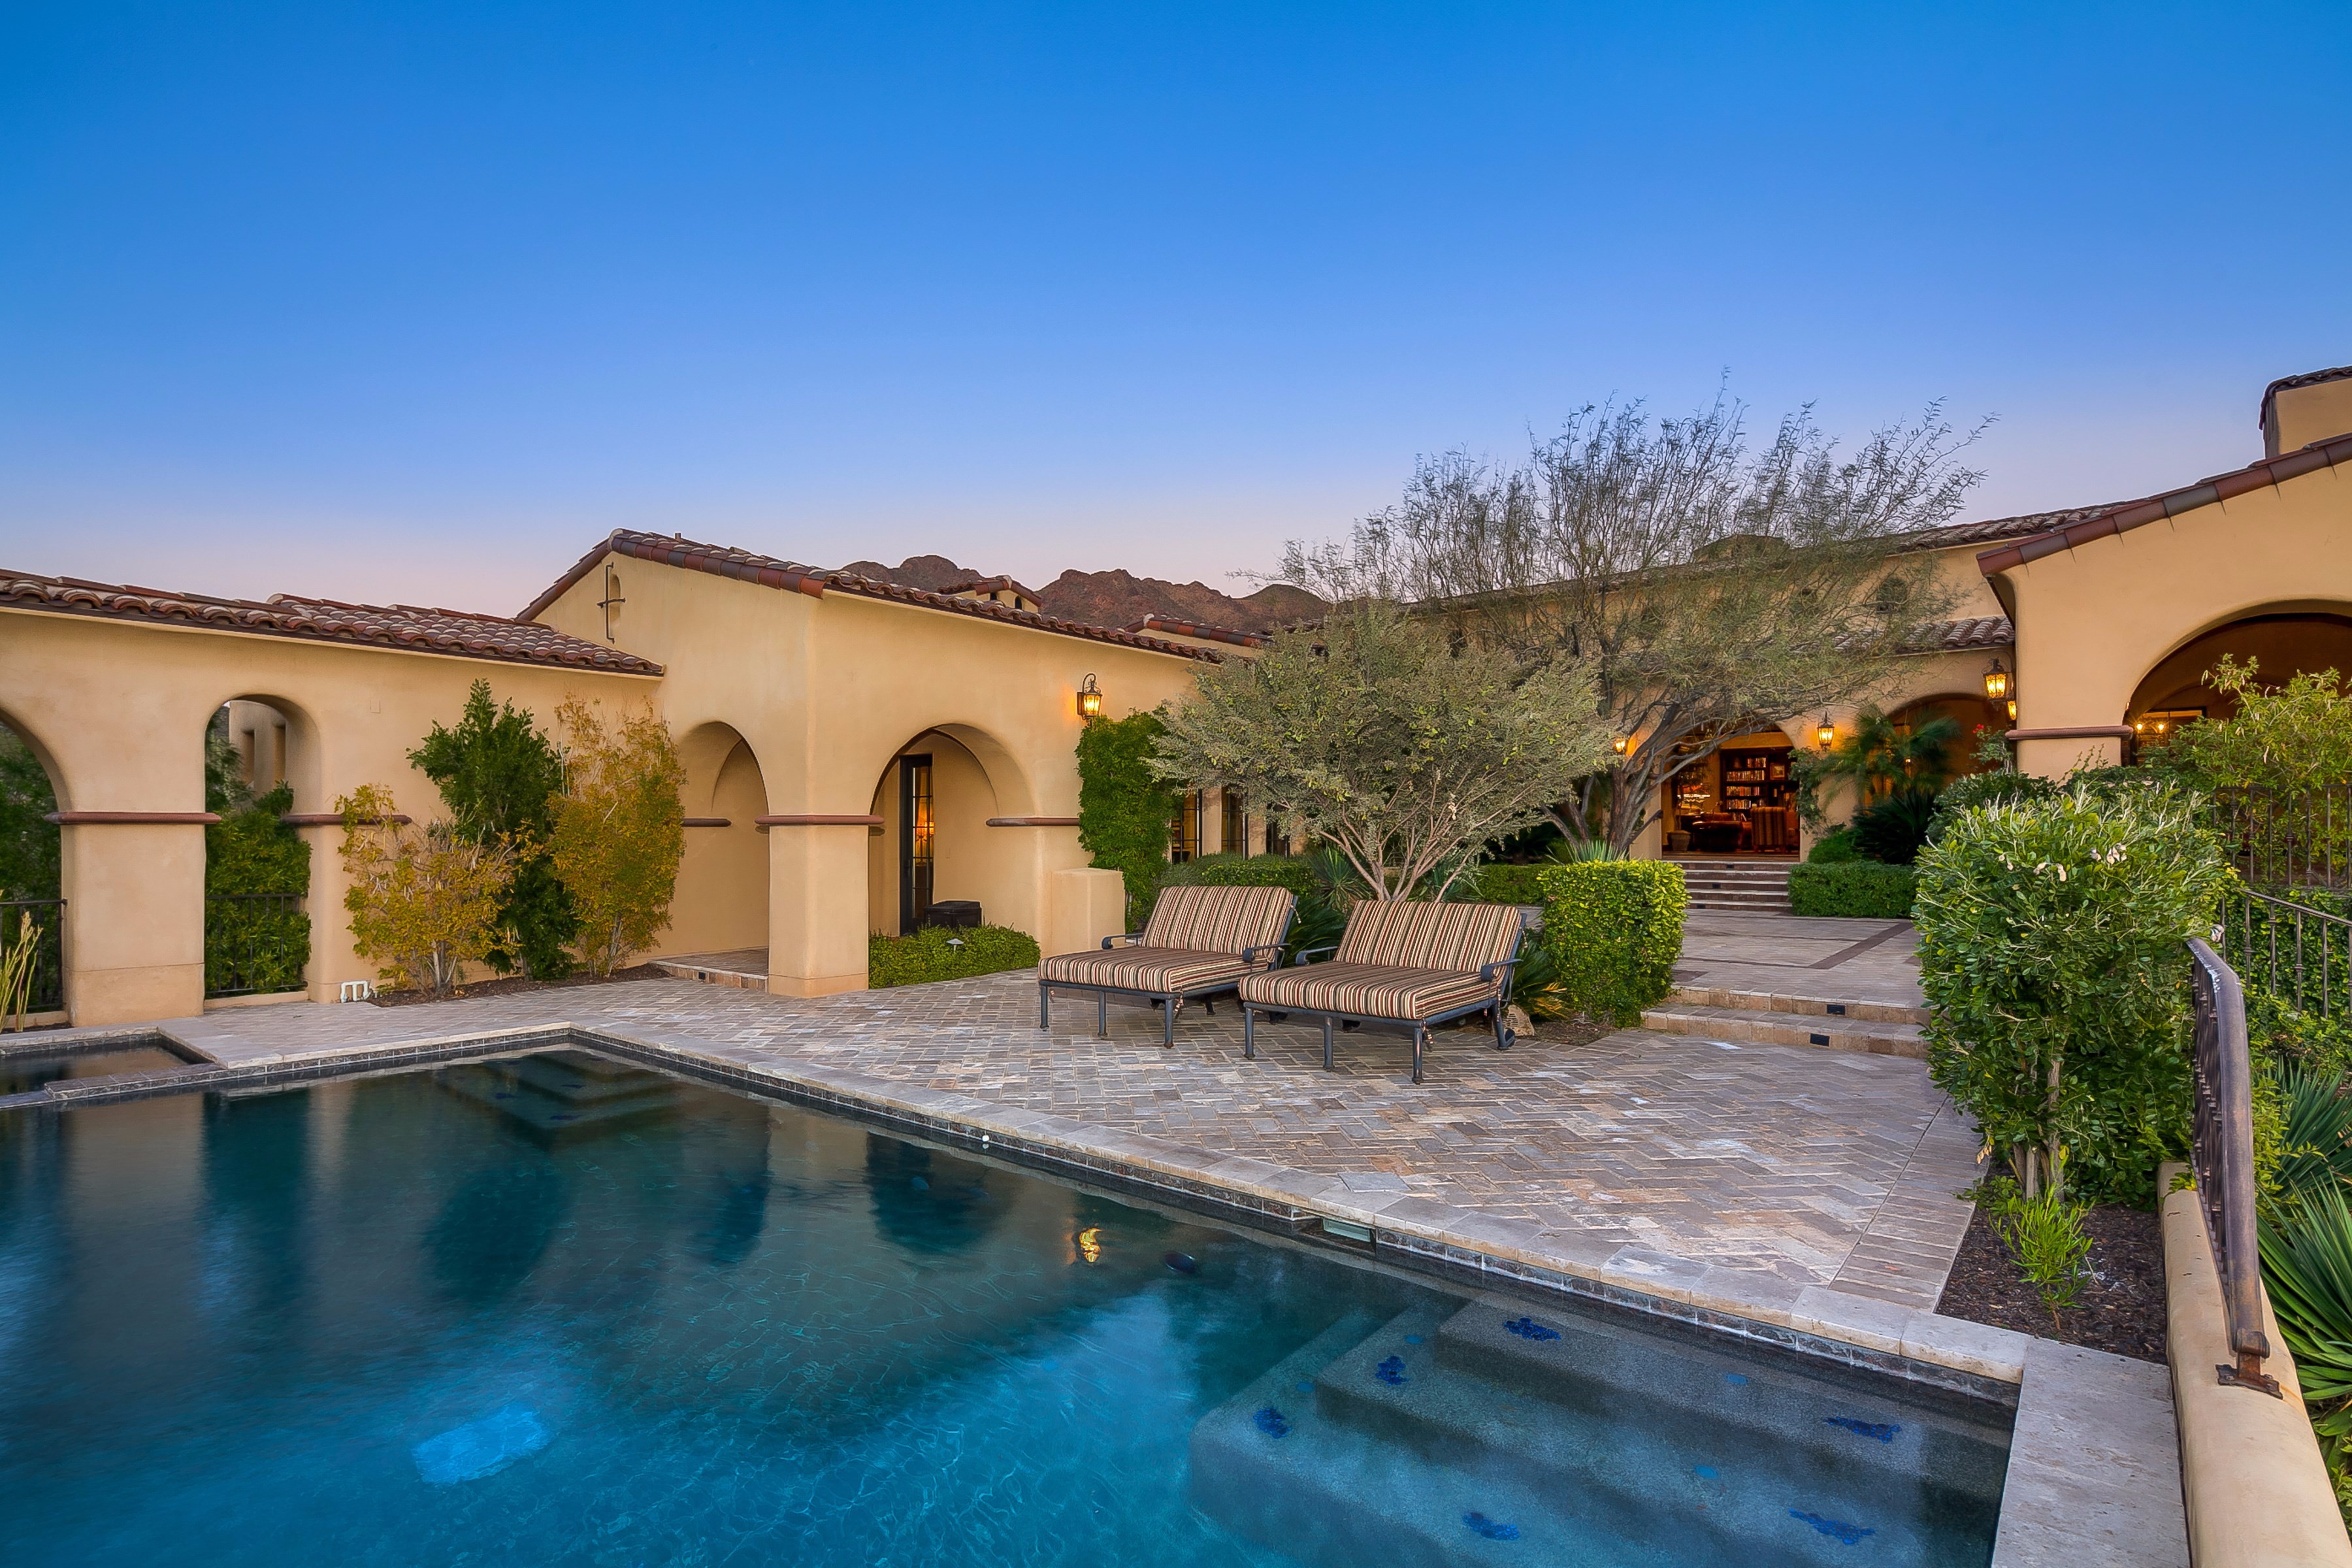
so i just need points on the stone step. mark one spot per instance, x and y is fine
(1788, 1002)
(1759, 903)
(1756, 1027)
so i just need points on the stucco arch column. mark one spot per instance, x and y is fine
(816, 901)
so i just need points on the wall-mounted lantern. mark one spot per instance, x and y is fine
(1996, 683)
(1825, 732)
(2012, 710)
(1089, 699)
(1620, 745)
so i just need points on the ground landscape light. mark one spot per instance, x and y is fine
(1089, 699)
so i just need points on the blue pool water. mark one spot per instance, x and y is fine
(559, 1309)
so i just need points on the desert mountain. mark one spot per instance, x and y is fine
(1121, 598)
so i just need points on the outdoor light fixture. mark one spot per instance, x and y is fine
(1996, 683)
(1621, 745)
(2012, 710)
(1826, 732)
(1089, 699)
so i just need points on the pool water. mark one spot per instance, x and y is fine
(558, 1309)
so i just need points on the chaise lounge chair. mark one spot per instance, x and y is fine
(1199, 943)
(1398, 967)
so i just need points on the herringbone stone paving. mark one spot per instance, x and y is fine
(1763, 1157)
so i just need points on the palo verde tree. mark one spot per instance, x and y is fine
(1706, 586)
(1374, 735)
(500, 777)
(620, 829)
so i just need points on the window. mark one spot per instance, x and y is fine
(1184, 830)
(1232, 829)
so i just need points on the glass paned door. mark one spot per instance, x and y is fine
(917, 830)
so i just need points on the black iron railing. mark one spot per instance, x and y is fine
(2298, 838)
(45, 979)
(254, 943)
(2292, 950)
(2221, 1153)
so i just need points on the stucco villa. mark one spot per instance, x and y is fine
(858, 749)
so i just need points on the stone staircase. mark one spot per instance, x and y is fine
(1749, 887)
(1486, 1434)
(1878, 1028)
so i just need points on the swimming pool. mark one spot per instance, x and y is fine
(560, 1309)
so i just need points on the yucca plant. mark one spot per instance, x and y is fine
(18, 959)
(2319, 1131)
(2307, 1264)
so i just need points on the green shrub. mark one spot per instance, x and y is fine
(2051, 950)
(1894, 830)
(1614, 931)
(1124, 809)
(1834, 848)
(2046, 1241)
(1501, 884)
(255, 937)
(1856, 890)
(939, 953)
(1291, 871)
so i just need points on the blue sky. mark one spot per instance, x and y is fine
(418, 301)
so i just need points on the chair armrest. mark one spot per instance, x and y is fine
(1306, 952)
(1500, 966)
(1128, 937)
(1272, 949)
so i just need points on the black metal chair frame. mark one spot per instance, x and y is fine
(1499, 972)
(1171, 1001)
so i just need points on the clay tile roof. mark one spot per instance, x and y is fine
(991, 586)
(1991, 531)
(408, 628)
(2287, 383)
(1961, 635)
(2128, 515)
(1174, 627)
(744, 565)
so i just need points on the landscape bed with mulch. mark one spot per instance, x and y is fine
(2120, 1310)
(515, 984)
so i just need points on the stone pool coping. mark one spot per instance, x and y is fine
(2060, 1501)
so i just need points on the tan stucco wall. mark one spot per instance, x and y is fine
(2302, 415)
(827, 691)
(118, 712)
(2093, 621)
(721, 903)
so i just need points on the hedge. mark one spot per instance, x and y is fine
(941, 953)
(1290, 871)
(1613, 930)
(1862, 889)
(1504, 884)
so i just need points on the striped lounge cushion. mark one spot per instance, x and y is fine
(1160, 970)
(1462, 936)
(1366, 990)
(1218, 920)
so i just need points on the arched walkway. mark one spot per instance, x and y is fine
(2286, 641)
(31, 867)
(261, 880)
(1970, 712)
(719, 912)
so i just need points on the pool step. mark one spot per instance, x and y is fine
(1752, 1025)
(1417, 1442)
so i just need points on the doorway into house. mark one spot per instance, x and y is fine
(918, 834)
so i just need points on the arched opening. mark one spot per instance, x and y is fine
(257, 866)
(1970, 714)
(936, 845)
(32, 877)
(1741, 800)
(2286, 642)
(718, 915)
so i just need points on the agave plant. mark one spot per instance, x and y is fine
(2319, 1131)
(2307, 1264)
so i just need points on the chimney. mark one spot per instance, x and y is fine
(2300, 409)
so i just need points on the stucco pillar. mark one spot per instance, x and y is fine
(817, 905)
(134, 936)
(332, 962)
